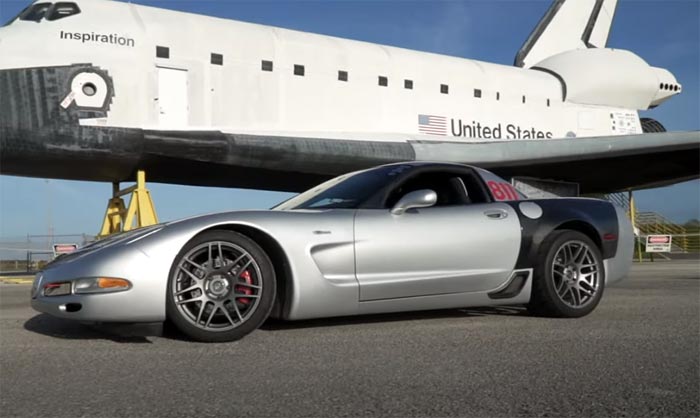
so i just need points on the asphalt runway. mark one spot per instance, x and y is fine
(636, 355)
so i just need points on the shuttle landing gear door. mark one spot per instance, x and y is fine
(172, 98)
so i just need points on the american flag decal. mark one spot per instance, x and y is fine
(432, 125)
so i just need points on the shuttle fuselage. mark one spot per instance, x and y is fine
(117, 87)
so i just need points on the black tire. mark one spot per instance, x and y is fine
(545, 300)
(228, 287)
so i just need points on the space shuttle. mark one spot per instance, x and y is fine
(97, 90)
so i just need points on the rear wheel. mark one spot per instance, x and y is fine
(221, 287)
(569, 276)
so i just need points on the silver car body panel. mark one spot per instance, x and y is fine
(436, 250)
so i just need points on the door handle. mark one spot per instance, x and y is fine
(496, 214)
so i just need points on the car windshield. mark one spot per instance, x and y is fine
(348, 191)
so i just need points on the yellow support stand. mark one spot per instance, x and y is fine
(119, 218)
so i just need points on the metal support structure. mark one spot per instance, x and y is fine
(633, 217)
(141, 211)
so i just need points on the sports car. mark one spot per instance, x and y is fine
(399, 237)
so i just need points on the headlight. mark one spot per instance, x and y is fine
(57, 289)
(101, 285)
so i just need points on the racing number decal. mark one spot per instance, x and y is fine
(502, 191)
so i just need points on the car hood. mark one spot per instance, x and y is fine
(243, 214)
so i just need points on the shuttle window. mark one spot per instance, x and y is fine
(298, 69)
(408, 84)
(61, 10)
(498, 95)
(343, 75)
(444, 88)
(547, 102)
(162, 52)
(217, 59)
(266, 65)
(36, 12)
(383, 81)
(523, 99)
(477, 93)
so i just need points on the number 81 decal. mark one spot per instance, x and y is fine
(502, 191)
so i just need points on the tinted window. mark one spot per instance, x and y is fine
(62, 9)
(452, 188)
(36, 12)
(266, 65)
(348, 191)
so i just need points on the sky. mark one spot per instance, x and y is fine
(665, 33)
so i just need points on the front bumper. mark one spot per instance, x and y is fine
(115, 307)
(143, 302)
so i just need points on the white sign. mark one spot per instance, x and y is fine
(68, 100)
(658, 243)
(625, 123)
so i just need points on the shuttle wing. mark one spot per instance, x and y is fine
(598, 164)
(282, 161)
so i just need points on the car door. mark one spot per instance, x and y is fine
(449, 248)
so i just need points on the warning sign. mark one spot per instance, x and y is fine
(658, 243)
(60, 249)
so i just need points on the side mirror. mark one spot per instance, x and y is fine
(418, 199)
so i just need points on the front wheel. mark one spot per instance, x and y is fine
(221, 287)
(569, 276)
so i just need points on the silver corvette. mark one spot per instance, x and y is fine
(399, 237)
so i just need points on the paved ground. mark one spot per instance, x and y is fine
(637, 355)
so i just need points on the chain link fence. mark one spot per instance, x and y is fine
(31, 252)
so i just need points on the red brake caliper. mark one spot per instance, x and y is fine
(243, 289)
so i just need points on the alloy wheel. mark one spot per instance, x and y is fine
(217, 286)
(576, 274)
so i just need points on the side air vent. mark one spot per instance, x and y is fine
(514, 286)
